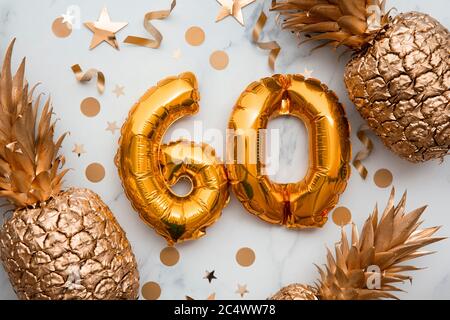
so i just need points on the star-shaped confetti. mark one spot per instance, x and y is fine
(176, 54)
(68, 18)
(212, 296)
(78, 149)
(119, 90)
(242, 290)
(232, 8)
(105, 30)
(210, 276)
(112, 126)
(307, 73)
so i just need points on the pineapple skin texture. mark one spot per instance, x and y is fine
(400, 85)
(295, 292)
(70, 247)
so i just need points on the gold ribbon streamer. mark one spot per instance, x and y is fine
(271, 45)
(363, 154)
(151, 15)
(88, 75)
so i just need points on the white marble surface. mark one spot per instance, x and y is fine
(282, 256)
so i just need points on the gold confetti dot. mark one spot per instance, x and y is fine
(245, 257)
(195, 36)
(342, 216)
(383, 178)
(219, 60)
(60, 29)
(95, 172)
(151, 291)
(90, 107)
(169, 256)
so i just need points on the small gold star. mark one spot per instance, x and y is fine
(210, 276)
(242, 290)
(104, 30)
(112, 126)
(176, 54)
(307, 73)
(119, 90)
(78, 149)
(232, 8)
(212, 296)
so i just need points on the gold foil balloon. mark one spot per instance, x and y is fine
(294, 205)
(149, 168)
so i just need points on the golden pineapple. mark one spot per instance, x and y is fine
(372, 264)
(57, 244)
(399, 77)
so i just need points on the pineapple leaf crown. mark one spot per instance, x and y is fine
(381, 250)
(29, 160)
(353, 23)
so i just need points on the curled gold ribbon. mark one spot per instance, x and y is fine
(88, 75)
(363, 154)
(157, 36)
(273, 46)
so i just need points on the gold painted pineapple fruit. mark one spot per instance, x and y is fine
(371, 265)
(399, 76)
(57, 244)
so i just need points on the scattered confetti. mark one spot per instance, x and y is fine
(157, 36)
(169, 256)
(232, 8)
(119, 91)
(176, 54)
(219, 60)
(245, 257)
(342, 216)
(195, 36)
(383, 178)
(112, 126)
(210, 276)
(104, 30)
(151, 291)
(61, 28)
(242, 290)
(95, 172)
(90, 107)
(88, 75)
(78, 149)
(212, 296)
(307, 73)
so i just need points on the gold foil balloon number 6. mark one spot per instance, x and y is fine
(305, 203)
(149, 168)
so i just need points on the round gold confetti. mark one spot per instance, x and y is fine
(60, 29)
(383, 178)
(342, 216)
(95, 172)
(245, 257)
(219, 60)
(169, 256)
(90, 107)
(151, 291)
(195, 36)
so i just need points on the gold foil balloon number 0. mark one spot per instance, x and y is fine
(148, 169)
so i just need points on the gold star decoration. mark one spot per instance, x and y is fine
(78, 149)
(105, 30)
(112, 126)
(119, 91)
(176, 54)
(212, 296)
(242, 290)
(232, 8)
(210, 276)
(307, 73)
